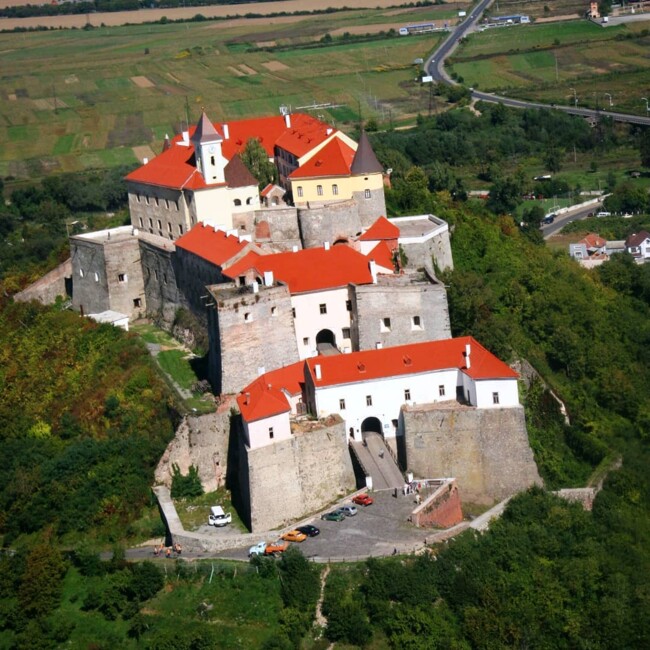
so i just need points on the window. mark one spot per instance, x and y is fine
(180, 230)
(81, 273)
(96, 277)
(237, 202)
(249, 200)
(342, 404)
(137, 302)
(122, 277)
(212, 160)
(299, 190)
(335, 190)
(248, 318)
(367, 194)
(139, 198)
(305, 340)
(271, 433)
(164, 278)
(293, 312)
(323, 308)
(407, 394)
(348, 305)
(150, 223)
(416, 323)
(155, 273)
(274, 311)
(159, 224)
(345, 332)
(141, 223)
(319, 190)
(385, 325)
(441, 390)
(169, 227)
(368, 400)
(495, 398)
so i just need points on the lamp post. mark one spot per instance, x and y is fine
(575, 97)
(611, 103)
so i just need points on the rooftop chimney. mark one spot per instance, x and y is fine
(373, 271)
(145, 161)
(327, 245)
(317, 371)
(294, 248)
(247, 398)
(329, 131)
(256, 287)
(186, 138)
(226, 132)
(268, 278)
(468, 350)
(287, 120)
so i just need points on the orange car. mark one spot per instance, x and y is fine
(275, 548)
(294, 536)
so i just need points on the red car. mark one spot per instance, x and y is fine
(362, 500)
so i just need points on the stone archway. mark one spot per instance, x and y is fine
(327, 337)
(371, 425)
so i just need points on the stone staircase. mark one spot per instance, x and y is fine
(377, 462)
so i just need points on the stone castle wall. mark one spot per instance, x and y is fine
(486, 450)
(370, 209)
(437, 248)
(244, 328)
(401, 301)
(331, 222)
(292, 478)
(163, 297)
(440, 510)
(48, 288)
(278, 227)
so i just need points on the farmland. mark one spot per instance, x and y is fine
(547, 61)
(65, 109)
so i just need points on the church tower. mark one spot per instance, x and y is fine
(207, 147)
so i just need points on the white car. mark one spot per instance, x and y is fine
(258, 549)
(604, 214)
(218, 517)
(348, 511)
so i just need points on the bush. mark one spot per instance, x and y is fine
(186, 486)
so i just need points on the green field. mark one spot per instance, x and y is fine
(547, 61)
(79, 99)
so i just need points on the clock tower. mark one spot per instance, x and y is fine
(207, 148)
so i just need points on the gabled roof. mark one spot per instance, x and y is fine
(310, 269)
(381, 229)
(365, 161)
(267, 394)
(593, 241)
(382, 255)
(205, 131)
(637, 239)
(272, 187)
(334, 159)
(212, 245)
(409, 359)
(237, 174)
(175, 167)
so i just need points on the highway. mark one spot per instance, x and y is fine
(436, 69)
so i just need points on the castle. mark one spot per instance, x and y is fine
(324, 318)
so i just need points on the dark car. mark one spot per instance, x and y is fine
(549, 218)
(333, 516)
(309, 530)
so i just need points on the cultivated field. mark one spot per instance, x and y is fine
(548, 61)
(78, 99)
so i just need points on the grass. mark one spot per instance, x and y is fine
(176, 364)
(193, 512)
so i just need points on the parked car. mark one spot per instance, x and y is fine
(363, 500)
(275, 548)
(603, 213)
(348, 511)
(549, 218)
(218, 517)
(294, 536)
(309, 530)
(258, 549)
(333, 516)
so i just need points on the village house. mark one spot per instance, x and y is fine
(638, 245)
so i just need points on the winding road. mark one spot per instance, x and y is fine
(435, 65)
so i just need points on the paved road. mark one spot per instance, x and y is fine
(568, 217)
(435, 67)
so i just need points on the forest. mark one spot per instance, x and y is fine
(86, 418)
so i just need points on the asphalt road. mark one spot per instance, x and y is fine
(435, 67)
(564, 219)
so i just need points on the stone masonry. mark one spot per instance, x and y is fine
(48, 288)
(486, 450)
(331, 223)
(285, 481)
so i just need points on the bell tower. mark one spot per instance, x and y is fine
(207, 147)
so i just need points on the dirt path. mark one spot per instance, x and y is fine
(215, 11)
(321, 621)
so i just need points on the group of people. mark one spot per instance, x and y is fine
(167, 550)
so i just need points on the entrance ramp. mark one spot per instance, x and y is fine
(376, 460)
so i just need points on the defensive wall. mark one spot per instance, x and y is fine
(442, 509)
(486, 450)
(287, 480)
(48, 288)
(424, 237)
(331, 222)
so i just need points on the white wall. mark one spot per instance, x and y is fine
(506, 388)
(257, 433)
(215, 206)
(309, 321)
(387, 398)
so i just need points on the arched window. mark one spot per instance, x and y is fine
(237, 202)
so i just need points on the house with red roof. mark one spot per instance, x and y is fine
(367, 389)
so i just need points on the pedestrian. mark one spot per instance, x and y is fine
(168, 552)
(381, 453)
(395, 493)
(156, 550)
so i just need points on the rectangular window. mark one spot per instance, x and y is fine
(122, 277)
(141, 223)
(495, 398)
(150, 223)
(342, 404)
(319, 190)
(96, 277)
(274, 311)
(164, 278)
(345, 332)
(335, 190)
(407, 394)
(385, 325)
(271, 433)
(299, 190)
(137, 302)
(169, 227)
(323, 308)
(367, 194)
(368, 400)
(441, 390)
(180, 230)
(348, 305)
(248, 318)
(305, 340)
(416, 323)
(293, 312)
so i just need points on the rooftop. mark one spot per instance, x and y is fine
(211, 244)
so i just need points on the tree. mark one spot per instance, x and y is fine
(644, 147)
(257, 161)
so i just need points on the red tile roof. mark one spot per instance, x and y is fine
(265, 395)
(409, 359)
(334, 159)
(175, 167)
(381, 229)
(383, 255)
(215, 246)
(310, 269)
(593, 241)
(637, 239)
